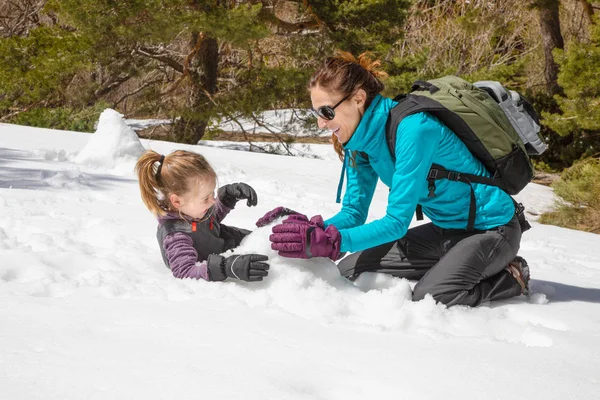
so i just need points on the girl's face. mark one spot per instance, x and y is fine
(347, 114)
(198, 199)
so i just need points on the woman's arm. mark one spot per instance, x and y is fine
(417, 140)
(361, 181)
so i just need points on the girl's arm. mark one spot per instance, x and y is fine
(221, 211)
(183, 257)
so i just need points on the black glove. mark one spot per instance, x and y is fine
(246, 267)
(230, 194)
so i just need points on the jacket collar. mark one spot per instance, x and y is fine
(371, 128)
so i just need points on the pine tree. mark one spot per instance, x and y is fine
(579, 76)
(171, 49)
(195, 61)
(361, 25)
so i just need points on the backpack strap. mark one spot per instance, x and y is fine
(409, 105)
(438, 172)
(419, 212)
(412, 104)
(494, 89)
(520, 212)
(424, 85)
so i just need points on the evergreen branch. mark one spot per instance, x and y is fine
(20, 16)
(136, 91)
(185, 72)
(249, 140)
(144, 51)
(285, 145)
(22, 110)
(313, 14)
(113, 85)
(289, 27)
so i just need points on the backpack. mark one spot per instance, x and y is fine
(498, 127)
(519, 112)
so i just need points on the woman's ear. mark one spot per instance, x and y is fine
(175, 201)
(360, 98)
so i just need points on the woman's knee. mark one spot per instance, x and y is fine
(421, 290)
(447, 298)
(418, 294)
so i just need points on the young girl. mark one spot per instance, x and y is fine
(180, 190)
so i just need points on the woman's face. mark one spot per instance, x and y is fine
(347, 114)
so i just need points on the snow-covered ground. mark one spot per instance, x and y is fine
(273, 121)
(89, 311)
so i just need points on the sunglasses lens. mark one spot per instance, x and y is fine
(326, 112)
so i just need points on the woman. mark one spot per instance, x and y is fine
(453, 264)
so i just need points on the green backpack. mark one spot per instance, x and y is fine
(479, 121)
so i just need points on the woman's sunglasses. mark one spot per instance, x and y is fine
(327, 112)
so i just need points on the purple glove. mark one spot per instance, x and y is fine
(276, 213)
(295, 238)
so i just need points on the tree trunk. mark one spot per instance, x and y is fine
(588, 11)
(551, 39)
(202, 67)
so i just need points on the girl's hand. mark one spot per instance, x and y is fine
(230, 194)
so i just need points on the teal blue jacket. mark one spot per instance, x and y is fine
(420, 141)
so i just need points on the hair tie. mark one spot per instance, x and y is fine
(160, 164)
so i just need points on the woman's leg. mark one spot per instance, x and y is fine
(410, 257)
(472, 269)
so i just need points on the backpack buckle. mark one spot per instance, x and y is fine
(433, 173)
(453, 176)
(431, 188)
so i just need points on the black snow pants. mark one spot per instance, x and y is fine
(454, 266)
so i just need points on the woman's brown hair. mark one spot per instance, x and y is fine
(344, 73)
(158, 180)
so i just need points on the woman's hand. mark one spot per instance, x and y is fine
(276, 213)
(299, 238)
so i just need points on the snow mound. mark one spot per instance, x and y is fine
(114, 143)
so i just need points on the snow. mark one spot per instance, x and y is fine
(287, 121)
(112, 142)
(140, 124)
(322, 152)
(88, 309)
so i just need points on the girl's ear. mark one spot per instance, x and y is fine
(175, 201)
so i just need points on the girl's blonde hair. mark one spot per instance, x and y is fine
(158, 180)
(344, 73)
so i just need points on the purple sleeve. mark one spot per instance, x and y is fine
(183, 257)
(221, 211)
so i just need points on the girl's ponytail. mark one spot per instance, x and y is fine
(160, 176)
(150, 187)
